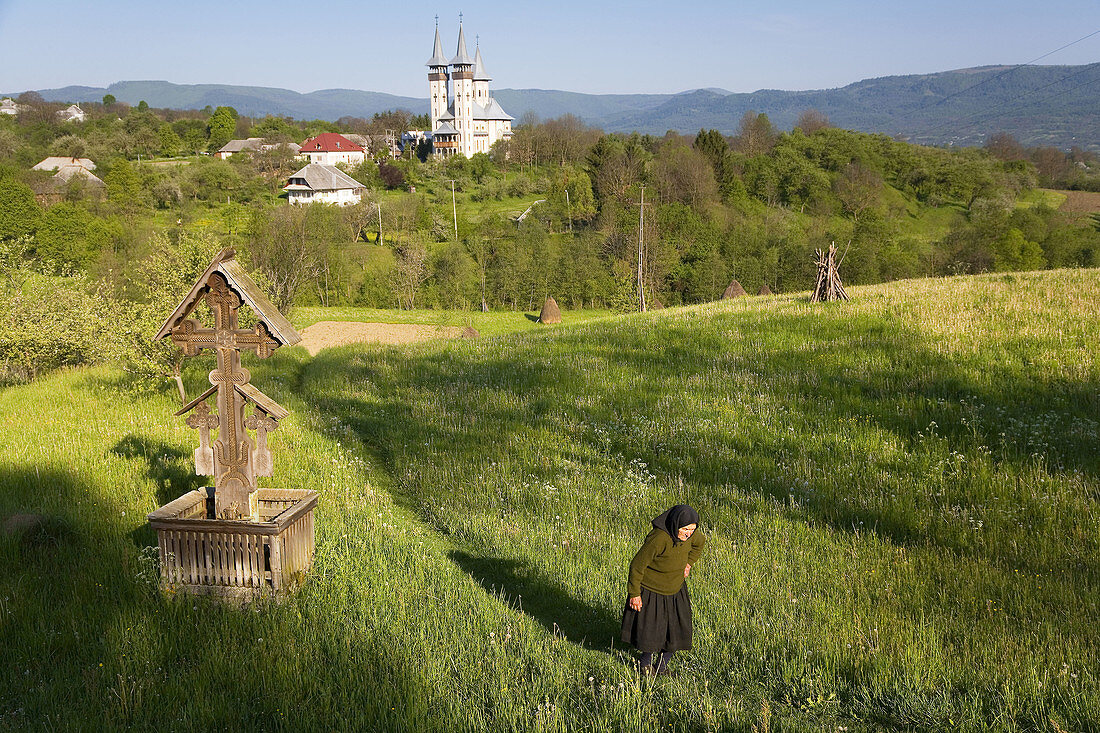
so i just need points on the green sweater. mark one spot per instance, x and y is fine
(659, 565)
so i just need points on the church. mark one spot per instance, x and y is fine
(465, 119)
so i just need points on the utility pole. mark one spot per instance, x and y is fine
(378, 207)
(454, 208)
(641, 225)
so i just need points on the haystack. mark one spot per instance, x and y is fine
(733, 291)
(550, 312)
(470, 333)
(654, 304)
(765, 290)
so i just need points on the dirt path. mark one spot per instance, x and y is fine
(324, 334)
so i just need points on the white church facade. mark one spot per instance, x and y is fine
(465, 119)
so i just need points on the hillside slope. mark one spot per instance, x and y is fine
(899, 495)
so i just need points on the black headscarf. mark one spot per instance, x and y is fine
(673, 519)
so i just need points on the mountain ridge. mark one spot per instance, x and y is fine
(957, 107)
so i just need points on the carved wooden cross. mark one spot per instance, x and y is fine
(262, 465)
(234, 474)
(203, 421)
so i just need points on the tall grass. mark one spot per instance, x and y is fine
(899, 493)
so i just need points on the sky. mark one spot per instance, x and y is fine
(593, 47)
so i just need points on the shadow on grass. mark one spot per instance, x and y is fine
(547, 601)
(826, 374)
(169, 467)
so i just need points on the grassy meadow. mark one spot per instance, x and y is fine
(899, 493)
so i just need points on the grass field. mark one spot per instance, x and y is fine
(493, 323)
(900, 497)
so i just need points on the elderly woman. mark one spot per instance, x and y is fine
(657, 617)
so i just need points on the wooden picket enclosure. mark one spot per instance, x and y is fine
(236, 558)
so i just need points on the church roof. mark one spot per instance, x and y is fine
(445, 129)
(448, 114)
(437, 59)
(461, 57)
(491, 111)
(479, 67)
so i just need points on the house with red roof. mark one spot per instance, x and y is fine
(330, 148)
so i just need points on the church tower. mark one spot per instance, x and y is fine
(462, 83)
(481, 79)
(437, 80)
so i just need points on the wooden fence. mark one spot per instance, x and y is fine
(236, 558)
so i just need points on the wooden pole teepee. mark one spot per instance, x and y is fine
(829, 286)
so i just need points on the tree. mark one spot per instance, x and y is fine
(1004, 146)
(292, 246)
(410, 269)
(20, 215)
(810, 121)
(755, 134)
(168, 140)
(392, 176)
(61, 238)
(124, 187)
(108, 100)
(220, 128)
(162, 280)
(859, 189)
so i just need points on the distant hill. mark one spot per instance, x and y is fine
(1040, 105)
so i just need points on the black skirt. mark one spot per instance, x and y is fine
(663, 624)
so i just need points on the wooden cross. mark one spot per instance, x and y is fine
(262, 465)
(203, 421)
(234, 475)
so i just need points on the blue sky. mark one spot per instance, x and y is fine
(608, 47)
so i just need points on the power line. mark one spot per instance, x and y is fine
(1009, 71)
(970, 120)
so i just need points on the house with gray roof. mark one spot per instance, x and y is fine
(252, 144)
(56, 162)
(327, 184)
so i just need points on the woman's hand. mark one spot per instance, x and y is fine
(687, 570)
(635, 603)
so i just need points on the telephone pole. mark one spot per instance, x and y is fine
(454, 208)
(641, 250)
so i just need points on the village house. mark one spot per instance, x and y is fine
(55, 162)
(239, 146)
(9, 107)
(329, 148)
(66, 173)
(72, 113)
(326, 184)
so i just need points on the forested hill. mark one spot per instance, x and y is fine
(1039, 105)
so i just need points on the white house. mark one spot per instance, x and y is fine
(55, 162)
(329, 148)
(9, 107)
(72, 113)
(317, 183)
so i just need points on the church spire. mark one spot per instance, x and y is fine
(462, 58)
(437, 59)
(479, 67)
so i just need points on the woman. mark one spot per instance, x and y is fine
(657, 617)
